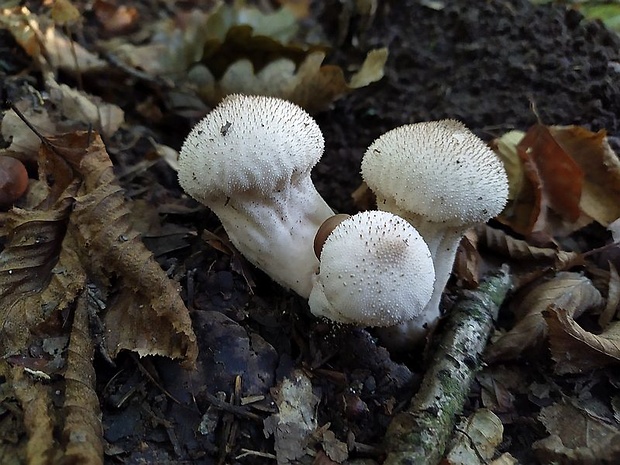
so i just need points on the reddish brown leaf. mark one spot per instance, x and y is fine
(556, 178)
(591, 151)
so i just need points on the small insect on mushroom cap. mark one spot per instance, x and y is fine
(439, 170)
(249, 143)
(375, 270)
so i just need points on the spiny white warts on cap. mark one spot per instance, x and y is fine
(439, 170)
(375, 270)
(443, 179)
(249, 161)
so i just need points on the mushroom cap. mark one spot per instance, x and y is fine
(439, 170)
(375, 270)
(251, 144)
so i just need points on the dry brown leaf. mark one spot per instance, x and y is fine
(576, 437)
(293, 425)
(574, 349)
(110, 246)
(568, 176)
(311, 84)
(516, 249)
(555, 177)
(572, 292)
(116, 19)
(476, 439)
(36, 404)
(82, 430)
(39, 274)
(600, 197)
(466, 266)
(43, 269)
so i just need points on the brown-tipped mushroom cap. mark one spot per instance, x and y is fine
(438, 170)
(375, 270)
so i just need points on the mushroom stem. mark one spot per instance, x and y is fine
(443, 243)
(284, 250)
(249, 160)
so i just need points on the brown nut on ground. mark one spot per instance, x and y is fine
(13, 180)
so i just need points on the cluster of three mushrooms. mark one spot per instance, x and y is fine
(250, 159)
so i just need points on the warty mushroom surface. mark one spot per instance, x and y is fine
(249, 161)
(375, 270)
(441, 178)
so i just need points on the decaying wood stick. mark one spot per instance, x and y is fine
(420, 434)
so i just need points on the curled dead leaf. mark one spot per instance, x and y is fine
(574, 349)
(576, 437)
(601, 167)
(572, 292)
(560, 178)
(310, 84)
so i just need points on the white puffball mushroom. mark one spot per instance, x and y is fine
(249, 161)
(375, 270)
(441, 178)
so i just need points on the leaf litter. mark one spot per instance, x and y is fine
(71, 259)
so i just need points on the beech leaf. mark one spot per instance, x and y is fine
(572, 292)
(574, 349)
(576, 437)
(600, 198)
(556, 178)
(110, 246)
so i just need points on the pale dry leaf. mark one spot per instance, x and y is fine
(575, 437)
(77, 105)
(310, 84)
(576, 350)
(64, 13)
(20, 135)
(506, 148)
(614, 229)
(61, 52)
(476, 439)
(295, 422)
(505, 459)
(335, 449)
(16, 21)
(176, 43)
(600, 198)
(572, 292)
(372, 70)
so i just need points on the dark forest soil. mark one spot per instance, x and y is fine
(495, 65)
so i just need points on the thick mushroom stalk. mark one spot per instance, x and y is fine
(441, 178)
(249, 161)
(375, 270)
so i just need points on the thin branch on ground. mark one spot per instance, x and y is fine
(420, 434)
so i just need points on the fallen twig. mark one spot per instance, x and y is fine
(419, 435)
